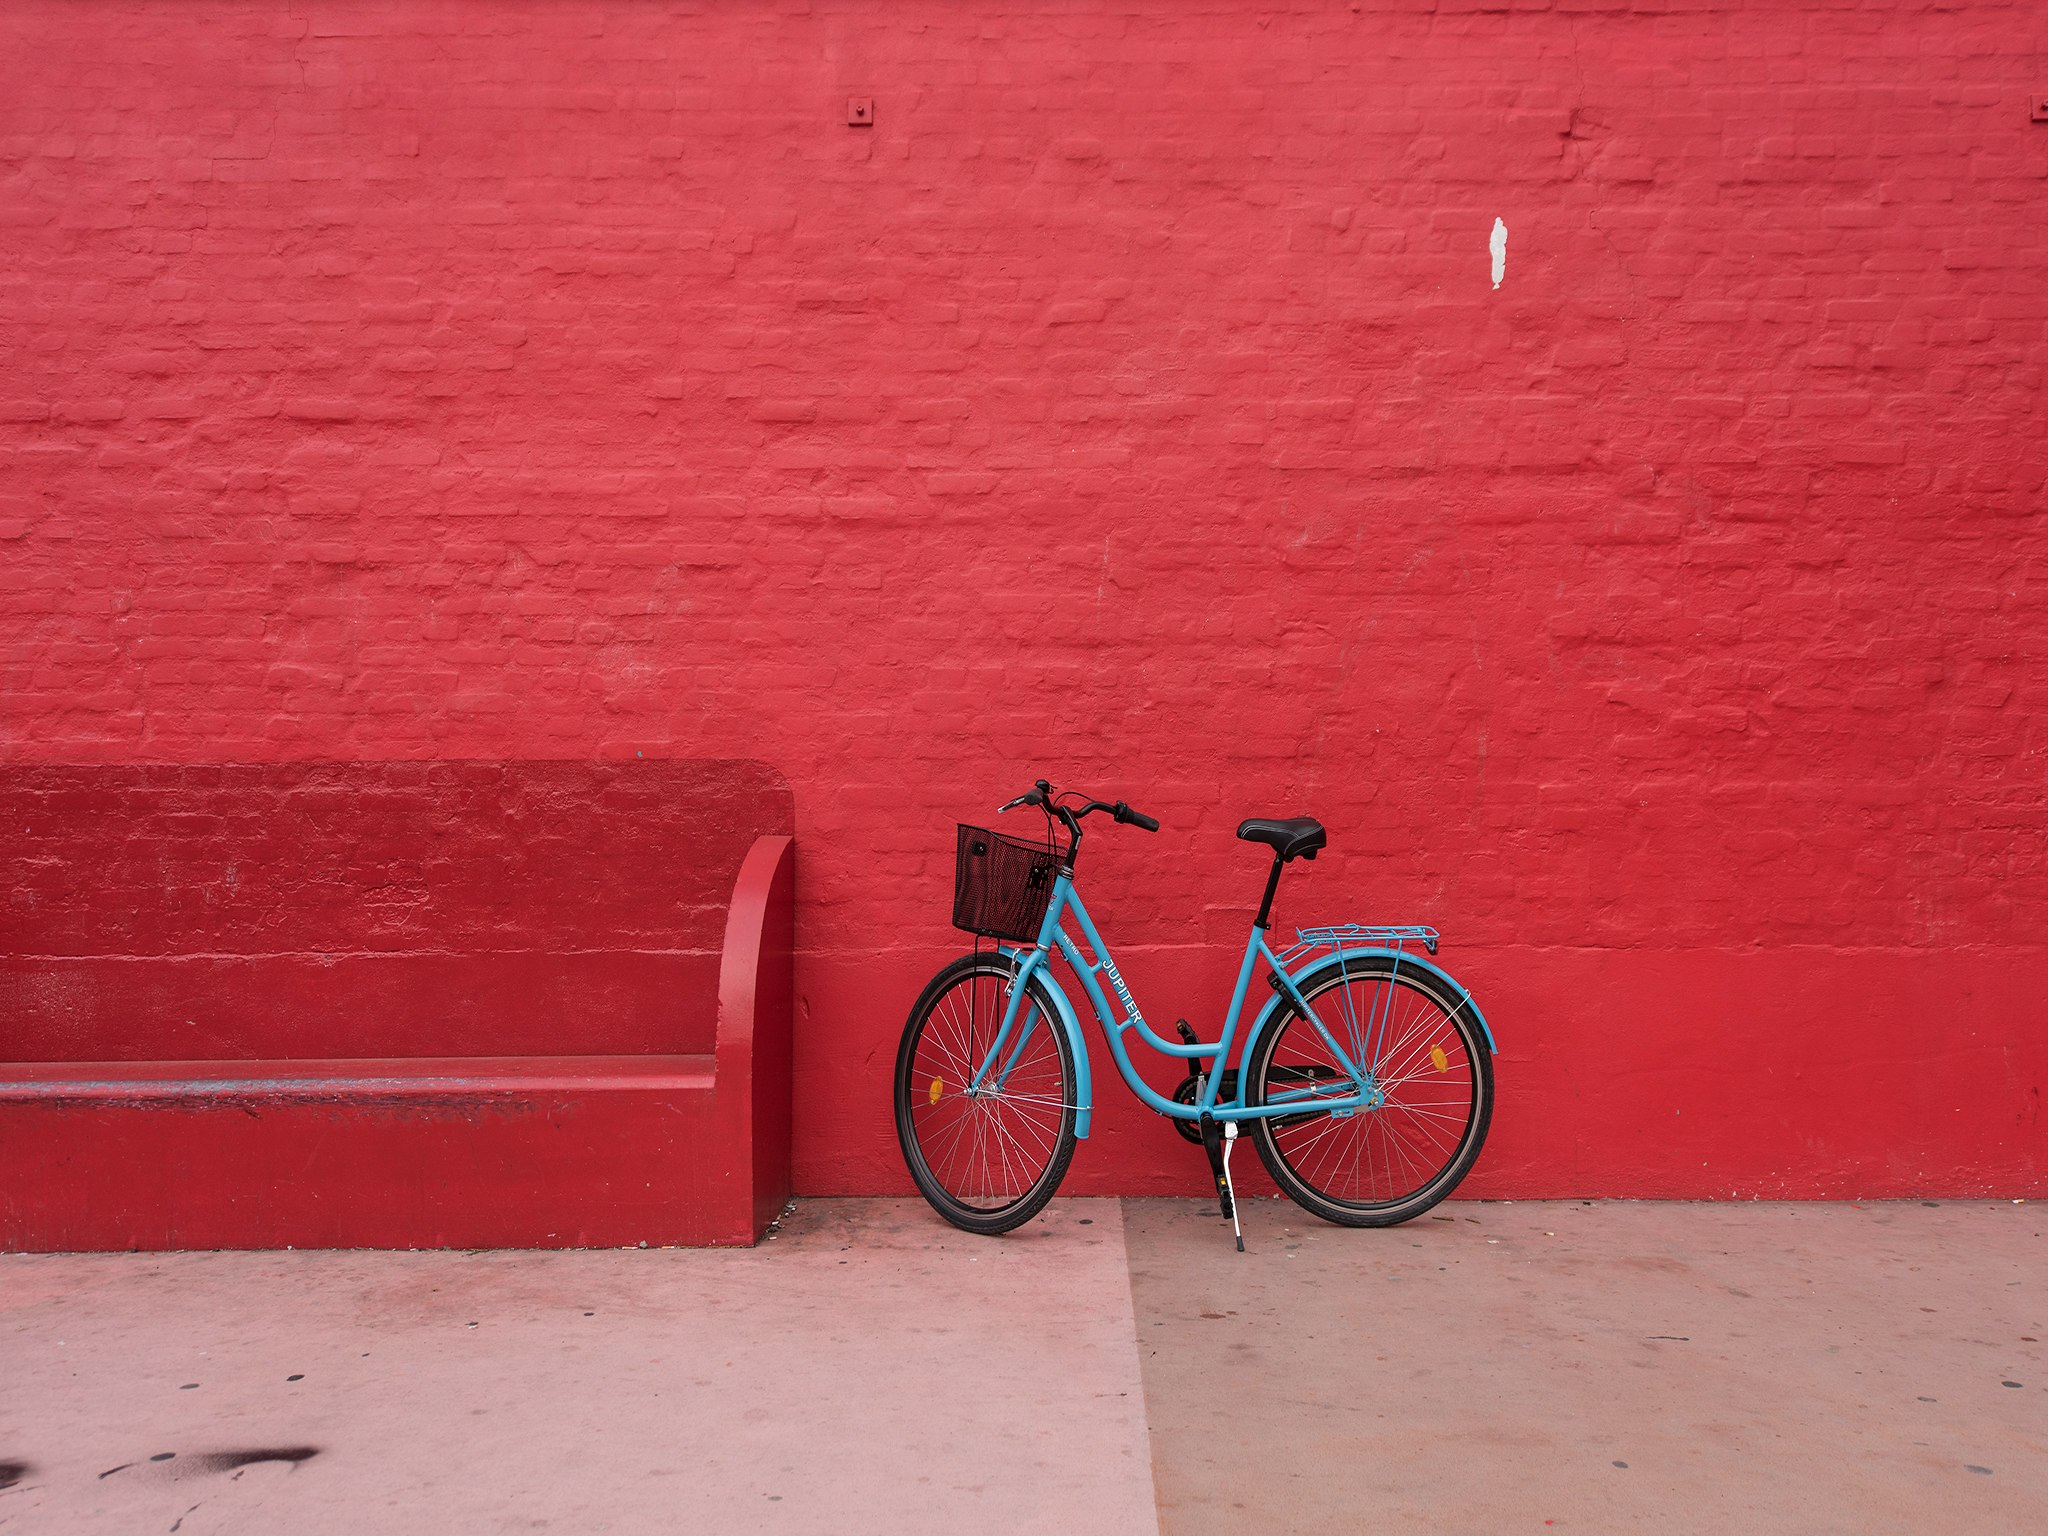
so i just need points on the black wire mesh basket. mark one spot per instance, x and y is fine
(1001, 884)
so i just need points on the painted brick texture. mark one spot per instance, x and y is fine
(1130, 405)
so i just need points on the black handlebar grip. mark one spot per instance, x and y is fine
(1135, 818)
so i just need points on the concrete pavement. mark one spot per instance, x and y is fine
(869, 1369)
(1560, 1366)
(1114, 1367)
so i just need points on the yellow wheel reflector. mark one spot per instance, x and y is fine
(1436, 1054)
(938, 1087)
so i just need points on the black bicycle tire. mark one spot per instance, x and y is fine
(1358, 1213)
(1028, 1205)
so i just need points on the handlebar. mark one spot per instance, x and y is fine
(1042, 795)
(1133, 818)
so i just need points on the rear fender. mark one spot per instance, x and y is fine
(1313, 974)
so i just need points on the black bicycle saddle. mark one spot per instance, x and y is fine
(1297, 836)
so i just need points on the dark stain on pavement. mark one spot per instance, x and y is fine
(12, 1472)
(231, 1461)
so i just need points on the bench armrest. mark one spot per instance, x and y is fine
(756, 1001)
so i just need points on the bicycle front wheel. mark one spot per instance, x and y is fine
(987, 1159)
(1379, 1166)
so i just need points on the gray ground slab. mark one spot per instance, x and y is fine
(1540, 1367)
(869, 1369)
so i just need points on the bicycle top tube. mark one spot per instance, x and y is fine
(1098, 962)
(1356, 1090)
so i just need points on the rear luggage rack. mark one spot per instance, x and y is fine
(1342, 936)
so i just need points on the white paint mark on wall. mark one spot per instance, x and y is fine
(1499, 246)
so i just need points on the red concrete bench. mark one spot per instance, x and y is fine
(528, 1004)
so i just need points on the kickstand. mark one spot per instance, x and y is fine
(1229, 1141)
(1217, 1140)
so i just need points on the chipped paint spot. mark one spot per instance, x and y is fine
(1498, 245)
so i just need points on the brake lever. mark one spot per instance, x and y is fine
(1033, 796)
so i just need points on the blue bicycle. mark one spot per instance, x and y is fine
(1366, 1078)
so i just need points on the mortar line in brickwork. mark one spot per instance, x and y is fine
(552, 951)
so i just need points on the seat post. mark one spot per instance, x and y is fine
(1272, 885)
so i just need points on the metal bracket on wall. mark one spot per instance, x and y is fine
(860, 111)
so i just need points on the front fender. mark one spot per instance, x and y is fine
(1317, 969)
(1030, 964)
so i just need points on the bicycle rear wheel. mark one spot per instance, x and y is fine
(989, 1160)
(1381, 1166)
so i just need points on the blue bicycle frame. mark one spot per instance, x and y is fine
(1356, 1089)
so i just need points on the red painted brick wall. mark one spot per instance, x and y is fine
(1130, 404)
